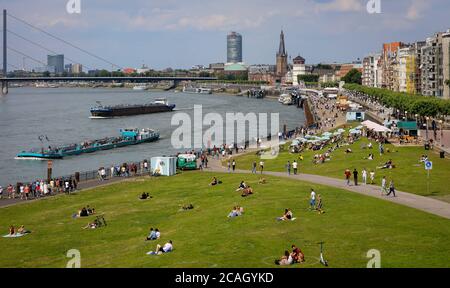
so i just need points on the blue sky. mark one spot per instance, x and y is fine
(182, 33)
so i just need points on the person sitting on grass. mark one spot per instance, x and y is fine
(297, 255)
(12, 230)
(90, 210)
(242, 186)
(22, 230)
(370, 158)
(145, 196)
(158, 234)
(151, 236)
(286, 260)
(188, 207)
(215, 182)
(287, 216)
(247, 191)
(168, 247)
(319, 207)
(237, 211)
(348, 151)
(262, 181)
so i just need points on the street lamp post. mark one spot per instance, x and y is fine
(426, 119)
(442, 132)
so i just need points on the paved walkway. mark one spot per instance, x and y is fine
(426, 204)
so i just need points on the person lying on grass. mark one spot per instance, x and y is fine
(287, 216)
(237, 211)
(154, 234)
(168, 247)
(145, 196)
(215, 182)
(285, 260)
(96, 223)
(247, 191)
(262, 181)
(387, 165)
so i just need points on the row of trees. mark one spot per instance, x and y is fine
(413, 104)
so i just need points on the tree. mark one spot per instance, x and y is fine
(447, 82)
(353, 76)
(308, 78)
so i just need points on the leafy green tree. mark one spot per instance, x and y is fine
(353, 76)
(308, 78)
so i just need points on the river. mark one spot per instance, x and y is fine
(62, 114)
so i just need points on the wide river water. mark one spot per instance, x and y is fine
(62, 115)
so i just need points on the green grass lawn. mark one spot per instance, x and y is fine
(409, 175)
(204, 237)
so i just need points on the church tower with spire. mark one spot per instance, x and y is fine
(282, 59)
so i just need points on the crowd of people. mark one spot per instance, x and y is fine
(39, 188)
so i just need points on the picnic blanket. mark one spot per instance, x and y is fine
(17, 235)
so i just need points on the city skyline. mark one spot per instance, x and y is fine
(165, 34)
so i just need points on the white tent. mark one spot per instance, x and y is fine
(375, 127)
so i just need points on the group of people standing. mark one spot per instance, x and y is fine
(39, 188)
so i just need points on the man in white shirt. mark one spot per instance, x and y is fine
(295, 166)
(312, 202)
(383, 185)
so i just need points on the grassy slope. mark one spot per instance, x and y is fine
(409, 176)
(204, 237)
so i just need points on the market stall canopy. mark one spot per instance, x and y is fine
(407, 125)
(375, 127)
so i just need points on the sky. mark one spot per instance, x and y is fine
(182, 33)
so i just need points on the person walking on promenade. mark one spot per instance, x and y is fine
(229, 166)
(233, 165)
(364, 176)
(347, 174)
(288, 167)
(355, 177)
(261, 166)
(254, 167)
(391, 189)
(383, 186)
(295, 166)
(372, 177)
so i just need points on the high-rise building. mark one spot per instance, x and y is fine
(56, 61)
(77, 68)
(388, 63)
(371, 75)
(435, 66)
(282, 59)
(234, 48)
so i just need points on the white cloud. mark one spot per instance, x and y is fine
(416, 10)
(340, 6)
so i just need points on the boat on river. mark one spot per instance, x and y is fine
(127, 137)
(158, 106)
